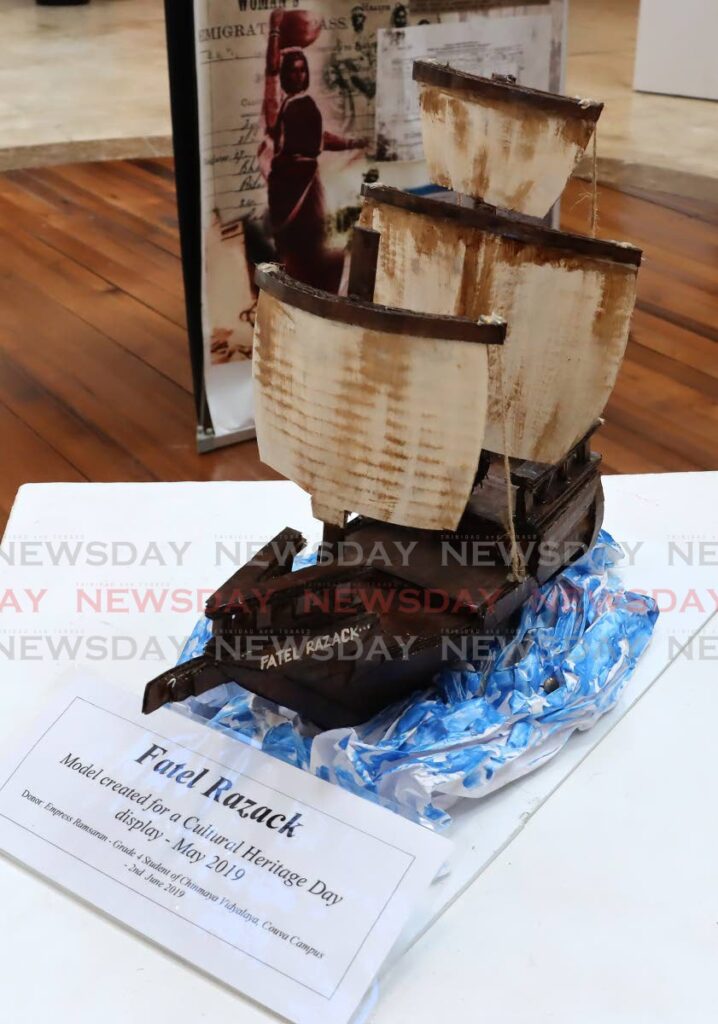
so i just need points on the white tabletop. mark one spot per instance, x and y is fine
(565, 895)
(605, 907)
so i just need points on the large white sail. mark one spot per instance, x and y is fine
(373, 411)
(567, 301)
(492, 140)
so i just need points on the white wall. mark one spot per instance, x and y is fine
(677, 48)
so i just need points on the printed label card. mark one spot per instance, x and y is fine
(284, 887)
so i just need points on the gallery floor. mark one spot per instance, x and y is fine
(94, 375)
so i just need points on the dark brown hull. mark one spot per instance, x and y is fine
(388, 606)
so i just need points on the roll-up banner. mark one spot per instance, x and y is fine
(280, 111)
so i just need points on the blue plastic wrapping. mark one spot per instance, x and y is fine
(473, 731)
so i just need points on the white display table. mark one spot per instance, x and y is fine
(589, 886)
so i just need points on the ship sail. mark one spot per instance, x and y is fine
(503, 143)
(370, 409)
(567, 300)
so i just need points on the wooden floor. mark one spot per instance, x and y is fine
(94, 372)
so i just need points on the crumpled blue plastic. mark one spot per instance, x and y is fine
(473, 731)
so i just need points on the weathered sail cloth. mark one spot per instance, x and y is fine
(568, 311)
(386, 424)
(476, 730)
(513, 147)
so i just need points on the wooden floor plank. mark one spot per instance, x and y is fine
(647, 224)
(104, 247)
(159, 167)
(621, 444)
(676, 369)
(94, 369)
(105, 186)
(65, 188)
(29, 459)
(148, 335)
(616, 452)
(132, 193)
(644, 428)
(682, 346)
(700, 209)
(684, 304)
(94, 453)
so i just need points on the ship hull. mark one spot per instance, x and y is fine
(344, 639)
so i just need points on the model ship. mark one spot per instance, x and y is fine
(440, 416)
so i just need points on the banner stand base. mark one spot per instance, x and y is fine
(208, 441)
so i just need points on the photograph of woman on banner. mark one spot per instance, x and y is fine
(295, 137)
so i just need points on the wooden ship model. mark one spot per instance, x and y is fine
(440, 416)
